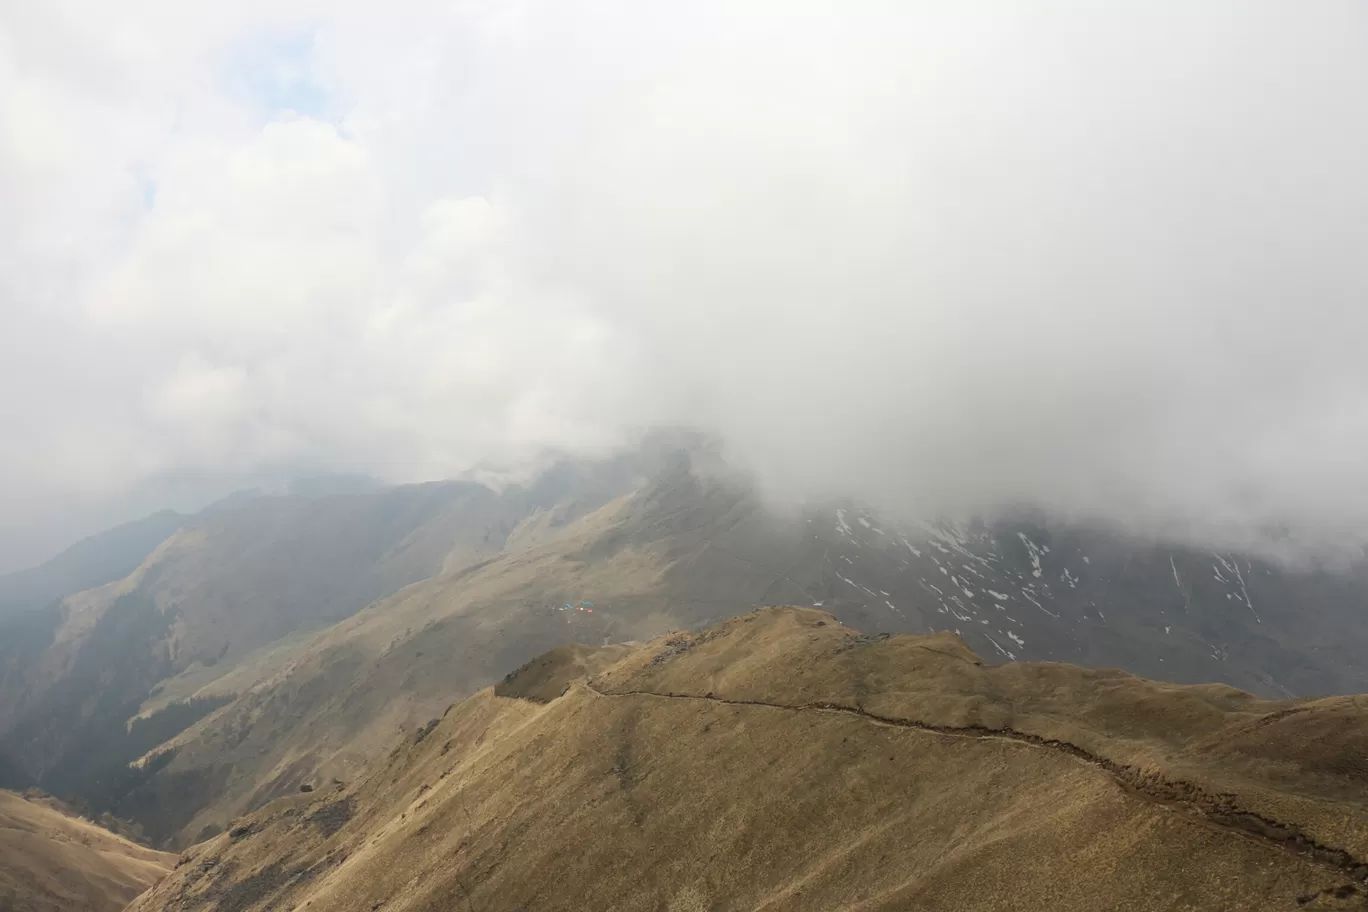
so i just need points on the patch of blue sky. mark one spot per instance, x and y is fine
(274, 74)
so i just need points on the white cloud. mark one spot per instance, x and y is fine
(1100, 257)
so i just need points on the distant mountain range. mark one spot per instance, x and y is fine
(113, 554)
(291, 637)
(91, 562)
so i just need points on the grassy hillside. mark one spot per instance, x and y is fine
(232, 588)
(681, 551)
(340, 701)
(780, 761)
(51, 861)
(284, 640)
(231, 600)
(93, 561)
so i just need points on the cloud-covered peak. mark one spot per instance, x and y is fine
(1101, 259)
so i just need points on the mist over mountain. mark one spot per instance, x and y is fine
(1101, 261)
(875, 455)
(290, 638)
(91, 562)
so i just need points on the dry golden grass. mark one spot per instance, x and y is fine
(51, 861)
(781, 762)
(338, 702)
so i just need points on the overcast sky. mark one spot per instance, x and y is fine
(1110, 258)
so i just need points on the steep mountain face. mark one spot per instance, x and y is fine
(52, 861)
(782, 761)
(641, 564)
(292, 640)
(91, 684)
(683, 551)
(1030, 589)
(94, 561)
(226, 589)
(215, 591)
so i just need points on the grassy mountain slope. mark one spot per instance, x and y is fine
(680, 551)
(283, 640)
(93, 561)
(211, 597)
(51, 861)
(91, 684)
(341, 700)
(780, 761)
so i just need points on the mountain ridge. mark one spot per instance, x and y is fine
(93, 561)
(252, 660)
(780, 760)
